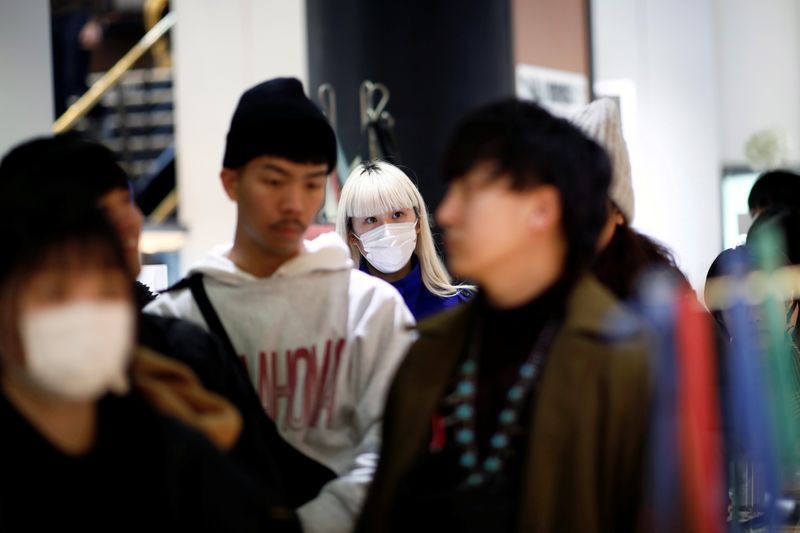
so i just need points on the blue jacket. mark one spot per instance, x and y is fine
(418, 298)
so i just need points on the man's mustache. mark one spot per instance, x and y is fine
(288, 224)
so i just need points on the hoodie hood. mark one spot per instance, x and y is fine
(326, 253)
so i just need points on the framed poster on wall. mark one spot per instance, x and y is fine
(560, 92)
(736, 185)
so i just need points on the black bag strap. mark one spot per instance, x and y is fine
(302, 476)
(198, 289)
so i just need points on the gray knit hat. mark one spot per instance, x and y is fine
(601, 121)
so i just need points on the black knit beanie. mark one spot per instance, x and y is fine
(277, 118)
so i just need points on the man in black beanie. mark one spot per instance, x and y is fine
(319, 339)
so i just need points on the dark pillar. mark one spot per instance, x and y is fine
(439, 58)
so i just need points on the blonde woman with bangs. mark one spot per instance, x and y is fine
(383, 217)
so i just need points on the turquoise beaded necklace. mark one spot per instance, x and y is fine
(463, 399)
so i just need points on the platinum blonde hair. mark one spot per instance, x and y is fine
(378, 187)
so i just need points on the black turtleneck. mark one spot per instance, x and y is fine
(508, 336)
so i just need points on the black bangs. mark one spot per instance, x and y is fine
(75, 254)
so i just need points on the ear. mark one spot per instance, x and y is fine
(545, 207)
(619, 218)
(353, 241)
(230, 179)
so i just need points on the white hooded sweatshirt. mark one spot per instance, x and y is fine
(321, 342)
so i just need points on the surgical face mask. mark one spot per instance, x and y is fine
(389, 247)
(79, 351)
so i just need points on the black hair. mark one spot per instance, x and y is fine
(44, 228)
(44, 232)
(86, 167)
(773, 189)
(534, 148)
(55, 226)
(370, 167)
(627, 257)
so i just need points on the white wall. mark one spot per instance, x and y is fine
(26, 86)
(759, 67)
(665, 51)
(220, 50)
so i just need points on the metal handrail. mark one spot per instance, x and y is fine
(92, 97)
(153, 11)
(163, 210)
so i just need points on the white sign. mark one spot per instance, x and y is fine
(154, 276)
(560, 92)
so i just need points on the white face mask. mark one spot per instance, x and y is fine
(79, 351)
(389, 247)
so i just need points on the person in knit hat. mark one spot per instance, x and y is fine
(624, 254)
(601, 121)
(319, 339)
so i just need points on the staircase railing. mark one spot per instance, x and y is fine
(107, 81)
